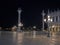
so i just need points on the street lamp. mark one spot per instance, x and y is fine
(44, 20)
(48, 16)
(49, 21)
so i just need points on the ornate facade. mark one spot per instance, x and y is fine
(55, 24)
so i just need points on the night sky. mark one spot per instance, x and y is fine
(31, 11)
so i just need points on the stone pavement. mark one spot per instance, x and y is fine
(41, 39)
(18, 38)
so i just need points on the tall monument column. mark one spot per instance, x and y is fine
(43, 14)
(19, 19)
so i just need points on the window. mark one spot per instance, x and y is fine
(59, 18)
(56, 18)
(53, 19)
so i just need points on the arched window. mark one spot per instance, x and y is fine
(53, 19)
(59, 18)
(56, 18)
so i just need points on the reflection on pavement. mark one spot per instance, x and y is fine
(26, 38)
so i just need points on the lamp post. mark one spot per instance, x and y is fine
(48, 26)
(44, 20)
(49, 21)
(43, 14)
(19, 19)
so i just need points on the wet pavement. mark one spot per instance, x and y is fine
(26, 38)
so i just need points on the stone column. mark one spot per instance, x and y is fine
(58, 27)
(43, 14)
(19, 18)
